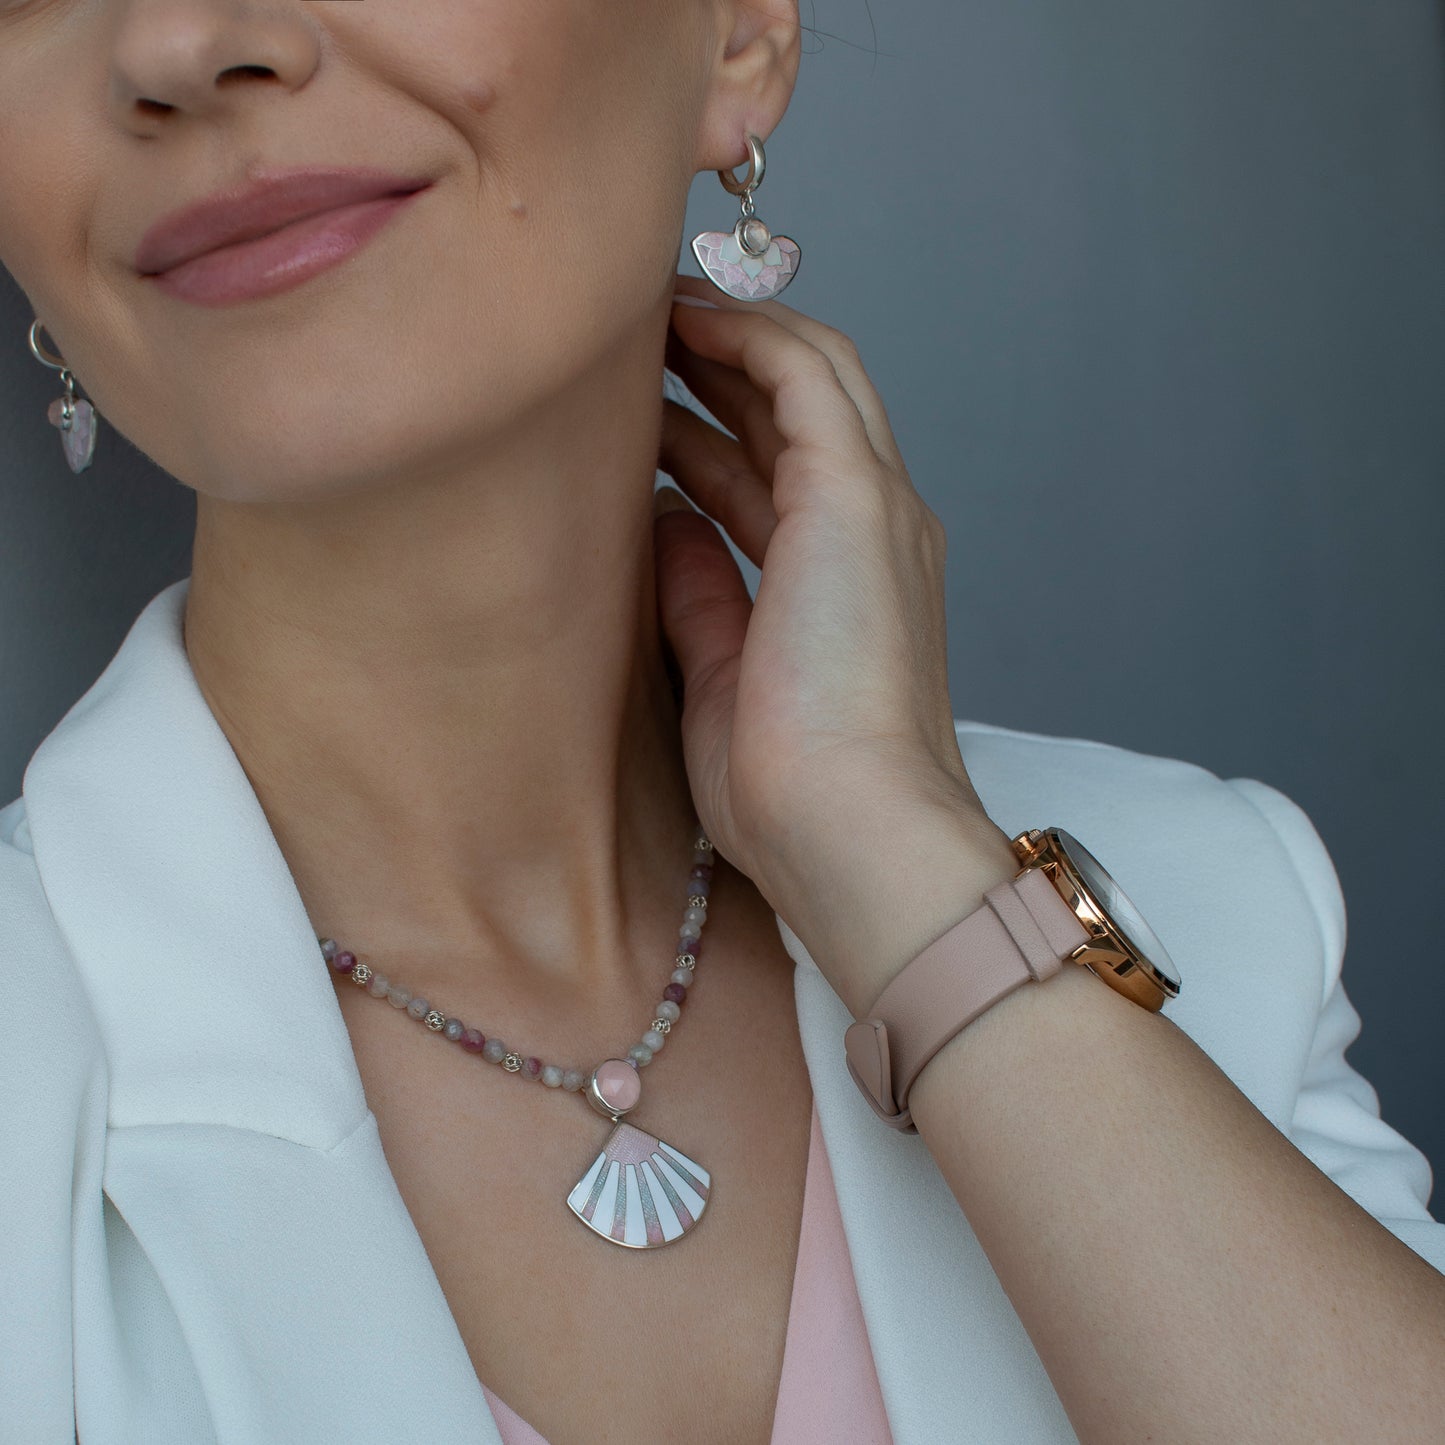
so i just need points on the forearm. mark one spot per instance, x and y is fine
(1183, 1270)
(1185, 1273)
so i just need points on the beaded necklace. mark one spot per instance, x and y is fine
(639, 1191)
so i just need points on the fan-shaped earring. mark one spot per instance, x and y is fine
(748, 262)
(75, 418)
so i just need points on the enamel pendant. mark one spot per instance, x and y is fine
(640, 1191)
(76, 421)
(748, 262)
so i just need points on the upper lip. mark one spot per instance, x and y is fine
(264, 204)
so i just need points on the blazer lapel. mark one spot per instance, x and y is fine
(241, 1152)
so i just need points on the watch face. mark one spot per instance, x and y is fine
(1113, 900)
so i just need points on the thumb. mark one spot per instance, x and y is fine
(703, 602)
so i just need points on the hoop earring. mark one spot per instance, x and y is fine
(748, 263)
(76, 419)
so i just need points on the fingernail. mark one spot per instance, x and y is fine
(695, 301)
(669, 499)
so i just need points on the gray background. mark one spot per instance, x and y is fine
(1155, 294)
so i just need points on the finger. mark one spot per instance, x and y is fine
(731, 397)
(810, 408)
(718, 477)
(703, 607)
(836, 345)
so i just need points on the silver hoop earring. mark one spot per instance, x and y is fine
(75, 418)
(748, 263)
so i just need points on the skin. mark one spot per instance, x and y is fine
(422, 603)
(429, 602)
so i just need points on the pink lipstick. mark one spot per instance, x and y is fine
(276, 233)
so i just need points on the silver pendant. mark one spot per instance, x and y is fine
(747, 262)
(76, 422)
(640, 1191)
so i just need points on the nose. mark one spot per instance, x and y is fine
(205, 58)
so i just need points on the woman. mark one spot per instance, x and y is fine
(408, 735)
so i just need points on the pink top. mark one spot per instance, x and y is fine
(828, 1390)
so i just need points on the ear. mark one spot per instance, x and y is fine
(758, 48)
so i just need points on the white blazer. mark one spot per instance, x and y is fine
(200, 1238)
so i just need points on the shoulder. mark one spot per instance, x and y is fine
(1040, 769)
(1229, 872)
(50, 1046)
(31, 943)
(53, 1095)
(1236, 881)
(1141, 805)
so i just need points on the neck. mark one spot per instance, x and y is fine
(451, 698)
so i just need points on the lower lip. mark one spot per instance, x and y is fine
(275, 263)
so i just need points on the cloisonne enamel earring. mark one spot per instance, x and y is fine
(75, 418)
(748, 262)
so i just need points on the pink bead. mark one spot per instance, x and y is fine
(618, 1083)
(675, 991)
(473, 1041)
(344, 962)
(532, 1066)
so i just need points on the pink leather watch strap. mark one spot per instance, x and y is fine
(1022, 932)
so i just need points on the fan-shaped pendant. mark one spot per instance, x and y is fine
(747, 277)
(78, 436)
(640, 1192)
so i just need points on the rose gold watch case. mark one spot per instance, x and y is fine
(1108, 951)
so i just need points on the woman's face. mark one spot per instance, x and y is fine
(559, 136)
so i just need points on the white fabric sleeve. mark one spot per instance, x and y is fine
(1336, 1121)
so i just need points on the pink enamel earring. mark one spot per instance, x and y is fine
(75, 418)
(748, 262)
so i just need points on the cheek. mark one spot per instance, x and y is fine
(567, 129)
(583, 117)
(47, 179)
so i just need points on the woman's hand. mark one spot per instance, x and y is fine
(817, 725)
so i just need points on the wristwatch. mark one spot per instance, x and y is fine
(1062, 907)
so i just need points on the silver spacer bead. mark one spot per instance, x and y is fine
(696, 900)
(512, 1063)
(361, 973)
(662, 1026)
(685, 960)
(435, 1020)
(702, 843)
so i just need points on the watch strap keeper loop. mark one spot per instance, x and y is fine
(1021, 933)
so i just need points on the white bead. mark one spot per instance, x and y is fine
(552, 1076)
(669, 1011)
(684, 976)
(694, 915)
(654, 1040)
(379, 985)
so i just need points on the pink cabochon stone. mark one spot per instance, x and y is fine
(618, 1083)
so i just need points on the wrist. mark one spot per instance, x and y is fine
(907, 885)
